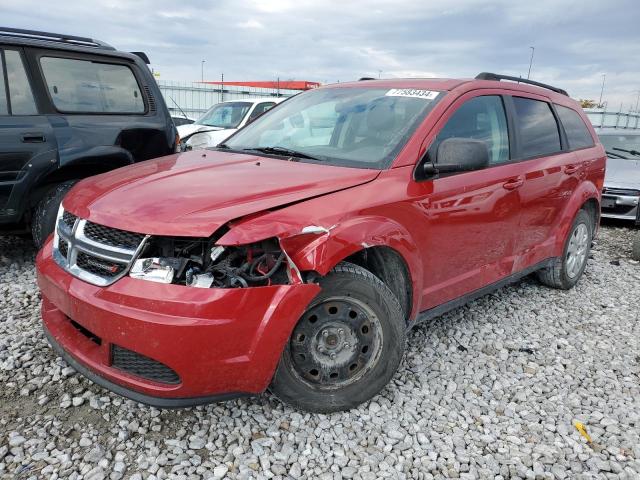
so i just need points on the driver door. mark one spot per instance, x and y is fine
(470, 219)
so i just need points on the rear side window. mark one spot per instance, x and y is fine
(537, 127)
(577, 132)
(4, 108)
(91, 87)
(20, 94)
(481, 118)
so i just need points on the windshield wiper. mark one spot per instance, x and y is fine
(614, 154)
(632, 152)
(282, 151)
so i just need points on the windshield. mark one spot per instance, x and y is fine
(622, 146)
(355, 127)
(225, 115)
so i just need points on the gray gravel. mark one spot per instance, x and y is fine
(491, 390)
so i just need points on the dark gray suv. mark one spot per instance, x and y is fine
(70, 107)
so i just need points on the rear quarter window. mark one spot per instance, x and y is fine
(84, 86)
(577, 132)
(537, 127)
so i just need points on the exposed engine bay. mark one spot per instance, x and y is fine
(200, 263)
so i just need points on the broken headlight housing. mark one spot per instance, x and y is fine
(199, 263)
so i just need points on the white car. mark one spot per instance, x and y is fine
(223, 119)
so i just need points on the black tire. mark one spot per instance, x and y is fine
(353, 288)
(559, 274)
(635, 249)
(44, 216)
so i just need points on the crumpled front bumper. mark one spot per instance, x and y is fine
(221, 343)
(622, 204)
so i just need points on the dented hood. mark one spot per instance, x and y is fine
(193, 194)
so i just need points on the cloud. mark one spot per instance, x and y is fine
(576, 40)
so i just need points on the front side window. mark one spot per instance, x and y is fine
(351, 126)
(481, 118)
(84, 86)
(20, 94)
(260, 109)
(578, 134)
(537, 127)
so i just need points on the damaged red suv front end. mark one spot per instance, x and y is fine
(297, 255)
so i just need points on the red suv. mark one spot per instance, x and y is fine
(297, 255)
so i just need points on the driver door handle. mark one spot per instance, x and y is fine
(513, 183)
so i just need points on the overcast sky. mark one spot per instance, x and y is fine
(576, 42)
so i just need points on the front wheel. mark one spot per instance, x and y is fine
(565, 271)
(45, 213)
(346, 346)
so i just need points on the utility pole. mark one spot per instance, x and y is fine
(202, 71)
(222, 87)
(637, 102)
(379, 73)
(278, 85)
(604, 76)
(533, 49)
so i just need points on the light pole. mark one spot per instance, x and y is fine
(604, 75)
(533, 49)
(202, 70)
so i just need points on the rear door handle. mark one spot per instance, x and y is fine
(33, 138)
(513, 183)
(569, 169)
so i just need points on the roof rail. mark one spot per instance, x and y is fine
(53, 37)
(498, 77)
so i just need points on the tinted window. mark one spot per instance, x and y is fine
(577, 132)
(84, 86)
(537, 127)
(260, 109)
(4, 109)
(20, 95)
(481, 118)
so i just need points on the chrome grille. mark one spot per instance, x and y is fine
(112, 236)
(94, 253)
(621, 191)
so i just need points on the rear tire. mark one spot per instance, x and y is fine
(565, 271)
(347, 345)
(44, 215)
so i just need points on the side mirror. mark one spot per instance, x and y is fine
(458, 155)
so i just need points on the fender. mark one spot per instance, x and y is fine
(583, 193)
(98, 154)
(319, 248)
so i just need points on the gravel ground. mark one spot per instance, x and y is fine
(491, 390)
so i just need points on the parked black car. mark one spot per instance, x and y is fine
(70, 107)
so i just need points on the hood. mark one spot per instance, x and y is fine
(195, 193)
(622, 173)
(184, 130)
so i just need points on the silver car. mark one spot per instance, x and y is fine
(621, 193)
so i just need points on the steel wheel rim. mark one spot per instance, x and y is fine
(577, 250)
(335, 343)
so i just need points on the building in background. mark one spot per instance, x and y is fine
(192, 99)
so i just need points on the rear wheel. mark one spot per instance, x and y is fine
(346, 346)
(566, 270)
(44, 215)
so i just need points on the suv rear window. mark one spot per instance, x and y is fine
(85, 86)
(577, 133)
(537, 127)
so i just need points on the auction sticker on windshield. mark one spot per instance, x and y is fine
(412, 92)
